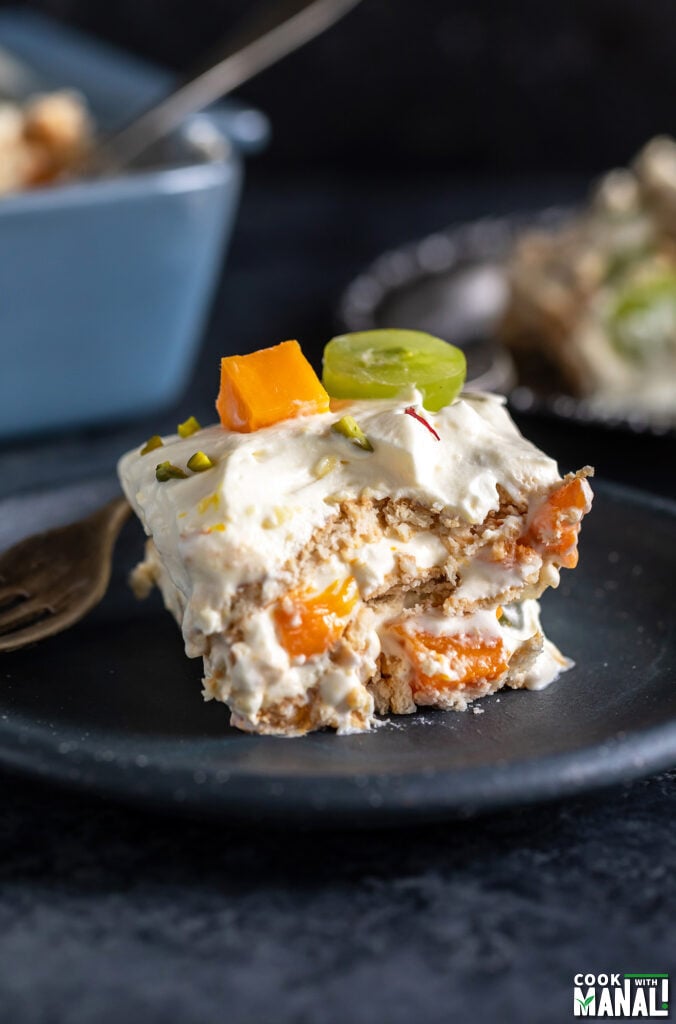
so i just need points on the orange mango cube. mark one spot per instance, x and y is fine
(472, 657)
(267, 386)
(555, 526)
(309, 624)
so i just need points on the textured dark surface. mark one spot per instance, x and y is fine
(109, 914)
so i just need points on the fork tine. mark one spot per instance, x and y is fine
(40, 628)
(50, 580)
(10, 594)
(16, 639)
(23, 614)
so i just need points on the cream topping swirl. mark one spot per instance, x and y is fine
(270, 490)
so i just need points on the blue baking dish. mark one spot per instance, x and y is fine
(105, 285)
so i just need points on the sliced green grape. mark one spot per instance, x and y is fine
(380, 364)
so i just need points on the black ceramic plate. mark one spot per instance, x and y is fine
(452, 284)
(113, 706)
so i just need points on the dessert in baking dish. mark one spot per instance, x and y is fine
(42, 138)
(332, 559)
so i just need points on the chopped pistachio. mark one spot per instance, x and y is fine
(324, 466)
(168, 471)
(151, 444)
(199, 462)
(188, 427)
(348, 427)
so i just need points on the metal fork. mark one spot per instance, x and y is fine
(50, 580)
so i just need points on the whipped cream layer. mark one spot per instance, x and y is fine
(271, 489)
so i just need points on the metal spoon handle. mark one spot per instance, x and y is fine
(265, 40)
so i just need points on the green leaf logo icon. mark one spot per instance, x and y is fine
(585, 1002)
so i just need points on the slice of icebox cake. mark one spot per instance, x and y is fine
(374, 543)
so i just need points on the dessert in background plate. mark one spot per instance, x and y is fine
(592, 304)
(332, 559)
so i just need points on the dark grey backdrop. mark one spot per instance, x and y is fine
(488, 86)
